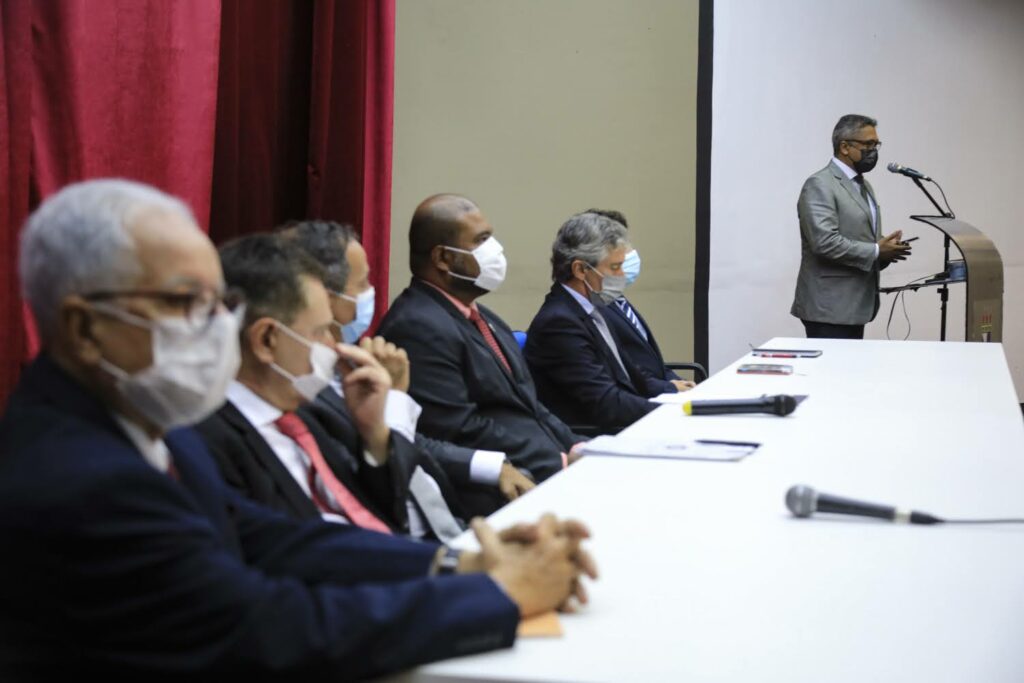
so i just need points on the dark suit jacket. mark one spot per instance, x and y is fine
(331, 413)
(577, 375)
(467, 396)
(644, 353)
(112, 567)
(248, 464)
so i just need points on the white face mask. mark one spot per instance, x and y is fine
(322, 360)
(191, 369)
(490, 257)
(365, 307)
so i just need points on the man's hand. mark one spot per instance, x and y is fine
(366, 383)
(891, 248)
(575, 453)
(683, 384)
(538, 566)
(394, 360)
(512, 483)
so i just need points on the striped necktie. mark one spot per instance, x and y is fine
(631, 316)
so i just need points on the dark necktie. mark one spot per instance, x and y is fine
(859, 179)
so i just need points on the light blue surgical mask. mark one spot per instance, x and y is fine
(365, 307)
(631, 266)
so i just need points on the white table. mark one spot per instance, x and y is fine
(707, 577)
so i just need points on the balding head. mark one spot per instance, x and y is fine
(437, 220)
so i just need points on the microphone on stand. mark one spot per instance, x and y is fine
(904, 170)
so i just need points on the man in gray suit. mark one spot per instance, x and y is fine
(842, 247)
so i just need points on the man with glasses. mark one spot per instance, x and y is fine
(842, 244)
(124, 551)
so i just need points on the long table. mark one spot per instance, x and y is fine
(707, 577)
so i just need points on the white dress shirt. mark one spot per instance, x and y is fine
(402, 414)
(262, 416)
(154, 451)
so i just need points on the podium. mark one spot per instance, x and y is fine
(983, 277)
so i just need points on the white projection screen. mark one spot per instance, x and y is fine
(945, 79)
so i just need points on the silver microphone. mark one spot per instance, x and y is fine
(904, 170)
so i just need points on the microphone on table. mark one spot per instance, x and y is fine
(781, 405)
(904, 170)
(803, 501)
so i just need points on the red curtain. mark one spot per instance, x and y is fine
(15, 169)
(351, 125)
(304, 119)
(253, 111)
(126, 88)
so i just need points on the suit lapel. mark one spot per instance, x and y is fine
(595, 334)
(852, 189)
(284, 483)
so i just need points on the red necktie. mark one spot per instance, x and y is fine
(485, 330)
(292, 426)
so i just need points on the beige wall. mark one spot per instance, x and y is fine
(537, 109)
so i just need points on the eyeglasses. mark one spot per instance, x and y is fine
(198, 305)
(867, 144)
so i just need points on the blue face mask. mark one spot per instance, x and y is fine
(631, 266)
(351, 332)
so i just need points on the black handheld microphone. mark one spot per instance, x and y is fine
(904, 170)
(780, 405)
(803, 501)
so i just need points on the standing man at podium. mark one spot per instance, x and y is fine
(842, 246)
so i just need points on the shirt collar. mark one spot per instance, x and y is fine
(153, 451)
(580, 299)
(463, 308)
(850, 173)
(252, 407)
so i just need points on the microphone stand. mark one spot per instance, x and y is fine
(944, 289)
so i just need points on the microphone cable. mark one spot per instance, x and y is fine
(996, 520)
(944, 200)
(901, 296)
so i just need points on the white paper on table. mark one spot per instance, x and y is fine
(677, 398)
(724, 451)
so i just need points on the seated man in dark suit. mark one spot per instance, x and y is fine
(634, 336)
(466, 369)
(126, 554)
(573, 355)
(261, 444)
(484, 480)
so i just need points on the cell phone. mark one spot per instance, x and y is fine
(764, 369)
(786, 353)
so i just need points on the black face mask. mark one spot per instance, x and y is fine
(868, 159)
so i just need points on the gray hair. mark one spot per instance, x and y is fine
(848, 126)
(77, 242)
(586, 237)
